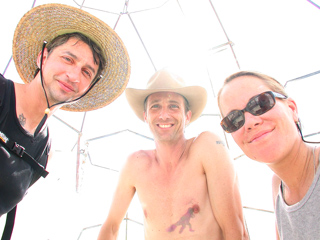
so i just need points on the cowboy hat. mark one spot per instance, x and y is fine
(45, 22)
(166, 81)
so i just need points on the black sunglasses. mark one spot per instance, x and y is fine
(257, 105)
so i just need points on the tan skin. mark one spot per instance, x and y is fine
(187, 188)
(272, 138)
(67, 73)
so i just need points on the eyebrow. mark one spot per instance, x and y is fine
(158, 100)
(76, 57)
(153, 101)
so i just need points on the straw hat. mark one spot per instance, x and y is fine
(45, 22)
(165, 81)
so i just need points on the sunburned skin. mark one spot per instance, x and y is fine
(185, 219)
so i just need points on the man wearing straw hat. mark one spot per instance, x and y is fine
(187, 187)
(84, 66)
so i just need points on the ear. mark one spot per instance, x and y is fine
(293, 106)
(145, 117)
(188, 117)
(45, 56)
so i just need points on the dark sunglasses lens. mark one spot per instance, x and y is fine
(258, 105)
(233, 121)
(261, 104)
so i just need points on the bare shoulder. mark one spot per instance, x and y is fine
(209, 139)
(276, 181)
(136, 162)
(140, 158)
(141, 154)
(209, 147)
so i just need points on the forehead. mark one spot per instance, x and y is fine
(79, 50)
(75, 44)
(168, 96)
(236, 94)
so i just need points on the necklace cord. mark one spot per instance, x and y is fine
(300, 131)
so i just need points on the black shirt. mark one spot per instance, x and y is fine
(16, 176)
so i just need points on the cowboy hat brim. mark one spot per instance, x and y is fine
(196, 96)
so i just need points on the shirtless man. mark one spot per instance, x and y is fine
(188, 188)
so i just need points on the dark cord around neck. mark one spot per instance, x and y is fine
(299, 128)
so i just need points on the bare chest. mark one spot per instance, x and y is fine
(176, 202)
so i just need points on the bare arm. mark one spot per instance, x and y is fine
(276, 181)
(223, 187)
(121, 200)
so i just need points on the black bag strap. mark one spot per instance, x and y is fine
(2, 88)
(7, 232)
(14, 146)
(20, 152)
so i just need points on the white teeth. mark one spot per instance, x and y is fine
(164, 126)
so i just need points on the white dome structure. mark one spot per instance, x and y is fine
(204, 41)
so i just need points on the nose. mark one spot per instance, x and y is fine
(73, 74)
(251, 121)
(164, 113)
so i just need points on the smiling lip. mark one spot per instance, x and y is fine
(164, 125)
(66, 87)
(259, 135)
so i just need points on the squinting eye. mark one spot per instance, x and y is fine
(174, 106)
(87, 73)
(155, 106)
(67, 59)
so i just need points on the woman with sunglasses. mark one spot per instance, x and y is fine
(264, 122)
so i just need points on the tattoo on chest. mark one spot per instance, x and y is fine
(185, 220)
(220, 142)
(22, 120)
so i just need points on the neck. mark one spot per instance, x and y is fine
(170, 153)
(297, 172)
(31, 104)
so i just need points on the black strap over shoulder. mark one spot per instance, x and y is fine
(14, 146)
(2, 88)
(19, 151)
(7, 232)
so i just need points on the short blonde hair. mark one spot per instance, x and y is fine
(270, 82)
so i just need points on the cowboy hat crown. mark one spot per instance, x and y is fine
(166, 81)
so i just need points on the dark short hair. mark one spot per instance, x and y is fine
(97, 52)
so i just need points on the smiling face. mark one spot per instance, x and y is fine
(166, 115)
(266, 137)
(68, 71)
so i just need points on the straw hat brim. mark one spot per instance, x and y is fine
(196, 96)
(45, 22)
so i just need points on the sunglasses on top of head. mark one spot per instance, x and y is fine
(257, 105)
